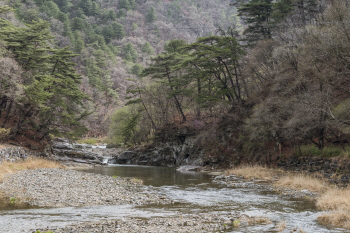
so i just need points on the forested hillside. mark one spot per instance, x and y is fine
(281, 84)
(110, 41)
(245, 76)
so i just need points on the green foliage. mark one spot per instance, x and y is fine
(85, 5)
(257, 14)
(127, 4)
(236, 223)
(3, 10)
(95, 9)
(13, 200)
(63, 18)
(151, 15)
(123, 124)
(64, 5)
(89, 141)
(51, 87)
(99, 76)
(50, 8)
(77, 24)
(108, 33)
(4, 133)
(118, 31)
(130, 53)
(281, 10)
(111, 15)
(130, 128)
(136, 69)
(313, 151)
(147, 48)
(121, 13)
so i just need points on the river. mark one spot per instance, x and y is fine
(193, 192)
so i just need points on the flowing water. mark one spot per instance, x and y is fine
(193, 192)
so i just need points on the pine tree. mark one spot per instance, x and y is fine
(85, 5)
(257, 14)
(147, 48)
(136, 69)
(111, 15)
(121, 13)
(63, 18)
(130, 54)
(52, 100)
(95, 9)
(151, 15)
(163, 68)
(118, 30)
(77, 24)
(124, 4)
(108, 33)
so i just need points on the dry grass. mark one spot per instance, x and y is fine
(136, 181)
(330, 198)
(281, 226)
(30, 163)
(335, 199)
(300, 182)
(338, 218)
(254, 171)
(5, 145)
(261, 220)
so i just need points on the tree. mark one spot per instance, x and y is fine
(63, 18)
(257, 14)
(147, 48)
(95, 9)
(130, 54)
(108, 33)
(124, 4)
(121, 13)
(52, 100)
(118, 30)
(77, 24)
(64, 5)
(86, 5)
(151, 15)
(111, 15)
(163, 68)
(136, 69)
(99, 77)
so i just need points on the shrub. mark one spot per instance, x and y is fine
(311, 150)
(90, 141)
(4, 133)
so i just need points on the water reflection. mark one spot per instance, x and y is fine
(155, 176)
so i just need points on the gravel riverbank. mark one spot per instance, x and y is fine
(199, 223)
(63, 187)
(240, 182)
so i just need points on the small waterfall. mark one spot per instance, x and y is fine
(105, 160)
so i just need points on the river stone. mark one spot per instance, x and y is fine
(62, 146)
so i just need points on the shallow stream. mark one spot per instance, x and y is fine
(193, 192)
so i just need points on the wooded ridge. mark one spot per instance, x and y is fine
(278, 76)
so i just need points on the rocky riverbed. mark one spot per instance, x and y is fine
(63, 187)
(240, 182)
(179, 224)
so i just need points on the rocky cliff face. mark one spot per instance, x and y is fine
(173, 147)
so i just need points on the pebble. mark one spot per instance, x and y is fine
(240, 182)
(198, 223)
(62, 187)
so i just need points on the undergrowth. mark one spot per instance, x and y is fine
(313, 151)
